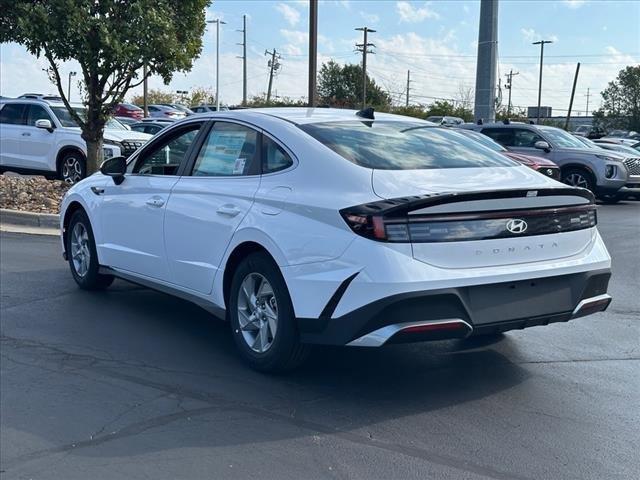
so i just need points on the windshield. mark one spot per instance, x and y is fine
(67, 121)
(587, 143)
(560, 138)
(403, 145)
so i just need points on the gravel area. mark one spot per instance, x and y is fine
(31, 194)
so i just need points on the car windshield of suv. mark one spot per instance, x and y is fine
(67, 121)
(403, 145)
(560, 138)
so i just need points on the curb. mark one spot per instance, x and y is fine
(30, 219)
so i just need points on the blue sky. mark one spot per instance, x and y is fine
(436, 40)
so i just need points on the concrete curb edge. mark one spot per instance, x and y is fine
(29, 219)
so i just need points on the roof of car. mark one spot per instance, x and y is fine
(51, 103)
(304, 115)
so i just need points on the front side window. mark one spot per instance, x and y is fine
(37, 112)
(165, 157)
(230, 150)
(274, 158)
(403, 145)
(13, 114)
(504, 136)
(525, 138)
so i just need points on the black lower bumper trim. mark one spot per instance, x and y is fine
(488, 309)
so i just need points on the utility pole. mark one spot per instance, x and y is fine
(217, 21)
(145, 109)
(541, 43)
(73, 74)
(573, 91)
(508, 86)
(244, 59)
(313, 51)
(274, 65)
(364, 48)
(408, 83)
(587, 110)
(486, 65)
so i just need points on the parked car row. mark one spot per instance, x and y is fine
(41, 137)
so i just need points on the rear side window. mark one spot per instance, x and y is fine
(526, 138)
(13, 114)
(274, 158)
(403, 145)
(504, 136)
(37, 112)
(229, 150)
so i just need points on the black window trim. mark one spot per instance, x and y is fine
(204, 128)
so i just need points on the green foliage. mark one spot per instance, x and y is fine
(341, 86)
(444, 107)
(258, 101)
(621, 102)
(199, 95)
(154, 97)
(111, 40)
(516, 115)
(417, 111)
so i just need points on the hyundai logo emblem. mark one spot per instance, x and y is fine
(517, 225)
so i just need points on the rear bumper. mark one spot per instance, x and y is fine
(463, 311)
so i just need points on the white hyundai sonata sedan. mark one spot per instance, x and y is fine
(321, 226)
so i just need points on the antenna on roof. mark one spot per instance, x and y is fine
(366, 113)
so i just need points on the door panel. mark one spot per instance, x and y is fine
(12, 123)
(38, 147)
(206, 208)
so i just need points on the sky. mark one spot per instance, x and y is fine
(435, 40)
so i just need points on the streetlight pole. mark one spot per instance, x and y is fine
(71, 74)
(217, 21)
(541, 43)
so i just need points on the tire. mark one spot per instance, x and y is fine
(611, 199)
(82, 255)
(72, 168)
(578, 177)
(266, 306)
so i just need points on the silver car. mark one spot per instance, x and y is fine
(602, 172)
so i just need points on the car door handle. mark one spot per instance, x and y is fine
(26, 134)
(97, 190)
(155, 202)
(228, 210)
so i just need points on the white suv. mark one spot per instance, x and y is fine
(40, 137)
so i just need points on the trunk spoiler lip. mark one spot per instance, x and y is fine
(403, 205)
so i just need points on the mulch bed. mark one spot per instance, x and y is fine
(31, 194)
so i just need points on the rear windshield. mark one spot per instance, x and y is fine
(403, 145)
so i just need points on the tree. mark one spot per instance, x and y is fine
(154, 97)
(200, 95)
(111, 40)
(261, 101)
(341, 86)
(621, 102)
(444, 107)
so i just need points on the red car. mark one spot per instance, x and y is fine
(128, 110)
(539, 164)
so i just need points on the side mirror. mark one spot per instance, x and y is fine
(542, 145)
(115, 168)
(43, 123)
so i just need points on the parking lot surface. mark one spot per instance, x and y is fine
(130, 383)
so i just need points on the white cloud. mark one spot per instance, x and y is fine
(574, 4)
(289, 13)
(370, 17)
(411, 14)
(530, 35)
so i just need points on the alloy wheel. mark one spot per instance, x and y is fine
(80, 253)
(257, 312)
(71, 170)
(577, 180)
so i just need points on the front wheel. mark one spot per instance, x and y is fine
(73, 168)
(262, 317)
(577, 177)
(82, 254)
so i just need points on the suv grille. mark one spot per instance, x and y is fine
(130, 146)
(633, 165)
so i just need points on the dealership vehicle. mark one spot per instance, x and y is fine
(162, 111)
(631, 159)
(539, 164)
(128, 110)
(601, 172)
(327, 226)
(446, 120)
(41, 137)
(177, 106)
(149, 127)
(588, 131)
(204, 108)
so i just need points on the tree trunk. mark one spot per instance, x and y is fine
(94, 150)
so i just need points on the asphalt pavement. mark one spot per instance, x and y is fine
(130, 383)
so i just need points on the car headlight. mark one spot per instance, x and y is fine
(107, 153)
(609, 159)
(111, 142)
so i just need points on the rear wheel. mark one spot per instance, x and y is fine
(262, 317)
(82, 255)
(578, 177)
